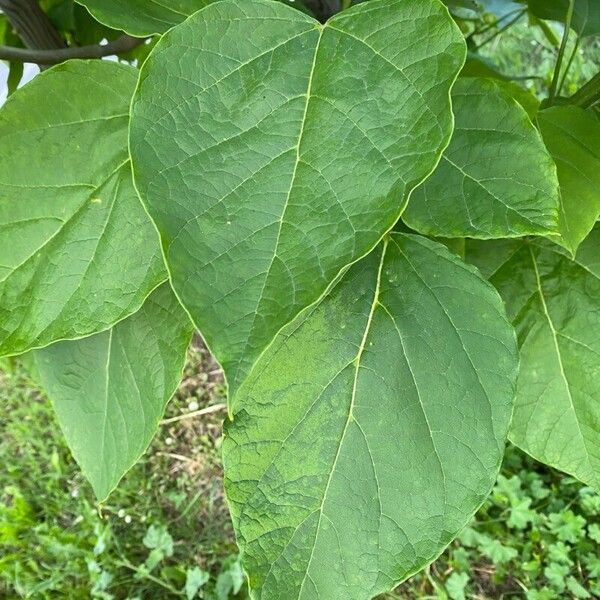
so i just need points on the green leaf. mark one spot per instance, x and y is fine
(142, 17)
(479, 66)
(572, 135)
(372, 428)
(577, 589)
(495, 180)
(77, 250)
(147, 17)
(586, 15)
(456, 586)
(554, 304)
(280, 151)
(110, 390)
(195, 579)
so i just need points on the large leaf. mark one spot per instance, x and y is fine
(77, 250)
(573, 137)
(371, 431)
(280, 150)
(110, 390)
(143, 17)
(496, 179)
(586, 15)
(555, 305)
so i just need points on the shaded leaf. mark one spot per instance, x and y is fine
(554, 303)
(110, 390)
(496, 178)
(142, 17)
(372, 428)
(280, 151)
(77, 250)
(572, 135)
(586, 14)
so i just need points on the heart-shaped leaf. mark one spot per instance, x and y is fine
(554, 304)
(110, 390)
(371, 429)
(77, 250)
(279, 151)
(572, 135)
(496, 179)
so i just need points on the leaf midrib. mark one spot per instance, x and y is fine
(350, 418)
(555, 334)
(287, 200)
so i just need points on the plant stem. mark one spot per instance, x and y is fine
(31, 24)
(501, 30)
(569, 64)
(589, 94)
(50, 57)
(561, 52)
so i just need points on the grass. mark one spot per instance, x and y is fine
(165, 532)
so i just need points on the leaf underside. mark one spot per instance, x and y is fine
(110, 390)
(553, 302)
(278, 151)
(371, 430)
(77, 250)
(496, 178)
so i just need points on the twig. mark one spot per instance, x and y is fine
(561, 51)
(501, 30)
(51, 57)
(197, 413)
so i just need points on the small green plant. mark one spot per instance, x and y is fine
(371, 227)
(165, 531)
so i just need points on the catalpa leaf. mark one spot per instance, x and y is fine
(572, 135)
(77, 250)
(147, 17)
(554, 303)
(586, 13)
(372, 428)
(495, 180)
(110, 390)
(278, 151)
(142, 17)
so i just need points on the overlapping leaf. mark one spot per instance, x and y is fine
(371, 430)
(77, 250)
(555, 305)
(572, 135)
(110, 390)
(147, 17)
(586, 14)
(143, 17)
(495, 180)
(272, 151)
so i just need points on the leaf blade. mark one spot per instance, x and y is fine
(553, 302)
(572, 135)
(262, 152)
(344, 401)
(68, 267)
(496, 178)
(110, 390)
